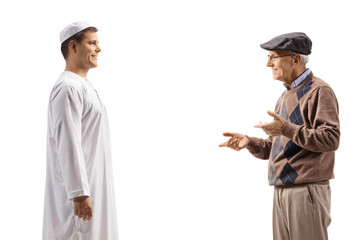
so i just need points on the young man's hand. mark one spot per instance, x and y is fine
(83, 207)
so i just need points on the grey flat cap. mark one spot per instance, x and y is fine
(296, 42)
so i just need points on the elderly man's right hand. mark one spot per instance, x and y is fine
(83, 207)
(236, 141)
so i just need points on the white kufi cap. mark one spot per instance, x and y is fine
(72, 29)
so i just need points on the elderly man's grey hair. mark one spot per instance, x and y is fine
(304, 59)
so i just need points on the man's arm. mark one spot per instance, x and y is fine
(66, 111)
(237, 141)
(258, 147)
(323, 115)
(323, 135)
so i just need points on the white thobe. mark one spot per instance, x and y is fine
(78, 163)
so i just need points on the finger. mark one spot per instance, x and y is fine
(89, 211)
(89, 214)
(274, 115)
(228, 134)
(224, 144)
(76, 212)
(268, 132)
(233, 141)
(259, 125)
(265, 125)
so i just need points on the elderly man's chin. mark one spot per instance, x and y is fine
(276, 76)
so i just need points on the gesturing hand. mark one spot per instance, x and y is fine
(274, 128)
(83, 207)
(236, 142)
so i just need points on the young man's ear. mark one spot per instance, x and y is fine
(72, 46)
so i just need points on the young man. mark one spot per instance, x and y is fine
(79, 195)
(302, 141)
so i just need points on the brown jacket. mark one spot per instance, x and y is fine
(305, 152)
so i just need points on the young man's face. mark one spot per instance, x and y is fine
(88, 51)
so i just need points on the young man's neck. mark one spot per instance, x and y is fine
(77, 70)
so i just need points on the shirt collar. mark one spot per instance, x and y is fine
(74, 75)
(299, 79)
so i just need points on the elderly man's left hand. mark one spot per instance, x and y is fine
(274, 128)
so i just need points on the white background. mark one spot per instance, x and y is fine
(174, 76)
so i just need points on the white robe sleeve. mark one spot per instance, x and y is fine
(66, 110)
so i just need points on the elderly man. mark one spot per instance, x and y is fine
(302, 141)
(79, 195)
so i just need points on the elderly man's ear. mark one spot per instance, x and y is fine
(297, 59)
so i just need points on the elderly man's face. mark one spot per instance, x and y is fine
(282, 67)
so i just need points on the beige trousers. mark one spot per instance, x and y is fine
(301, 212)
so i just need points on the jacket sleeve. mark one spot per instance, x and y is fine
(259, 147)
(323, 132)
(66, 110)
